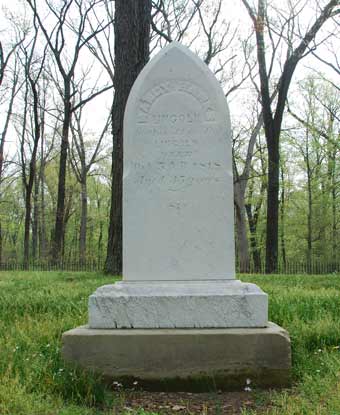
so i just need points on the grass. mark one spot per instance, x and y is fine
(36, 308)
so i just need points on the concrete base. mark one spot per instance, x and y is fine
(184, 359)
(178, 304)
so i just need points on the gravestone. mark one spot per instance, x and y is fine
(178, 220)
(179, 297)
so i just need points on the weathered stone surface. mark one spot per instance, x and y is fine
(178, 216)
(178, 359)
(178, 305)
(178, 220)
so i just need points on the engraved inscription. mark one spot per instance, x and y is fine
(177, 119)
(177, 174)
(146, 116)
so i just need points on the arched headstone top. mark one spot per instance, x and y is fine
(176, 69)
(177, 189)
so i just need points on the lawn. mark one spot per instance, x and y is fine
(36, 308)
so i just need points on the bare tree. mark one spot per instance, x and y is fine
(240, 185)
(132, 36)
(194, 22)
(254, 204)
(171, 20)
(332, 61)
(82, 163)
(8, 94)
(273, 116)
(33, 69)
(65, 21)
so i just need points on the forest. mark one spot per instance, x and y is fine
(66, 68)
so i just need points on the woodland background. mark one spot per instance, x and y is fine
(63, 70)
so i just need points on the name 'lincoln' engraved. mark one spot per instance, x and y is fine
(145, 115)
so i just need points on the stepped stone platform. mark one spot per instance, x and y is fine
(179, 320)
(184, 359)
(178, 304)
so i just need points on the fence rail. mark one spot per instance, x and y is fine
(90, 266)
(293, 267)
(314, 267)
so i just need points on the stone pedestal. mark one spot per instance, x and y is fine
(176, 304)
(184, 359)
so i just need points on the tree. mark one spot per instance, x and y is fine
(318, 144)
(254, 204)
(74, 20)
(240, 185)
(82, 163)
(33, 69)
(273, 116)
(132, 36)
(14, 87)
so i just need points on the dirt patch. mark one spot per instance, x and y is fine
(188, 403)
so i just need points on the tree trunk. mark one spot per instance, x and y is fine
(32, 172)
(28, 208)
(41, 182)
(253, 213)
(334, 225)
(310, 206)
(252, 221)
(42, 222)
(100, 236)
(59, 230)
(241, 230)
(272, 224)
(100, 242)
(83, 219)
(67, 216)
(1, 242)
(282, 218)
(132, 36)
(333, 183)
(35, 223)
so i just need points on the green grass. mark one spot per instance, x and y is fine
(36, 308)
(309, 308)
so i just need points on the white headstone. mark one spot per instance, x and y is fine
(178, 221)
(178, 216)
